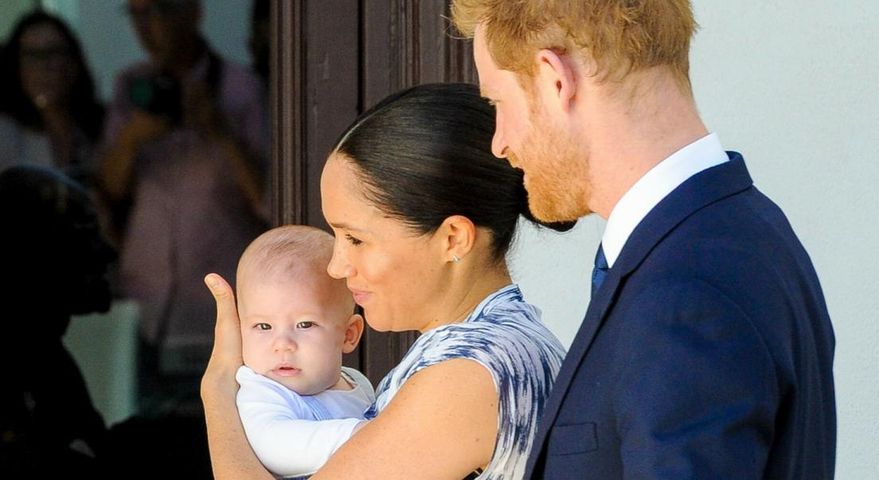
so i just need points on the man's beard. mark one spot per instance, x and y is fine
(556, 174)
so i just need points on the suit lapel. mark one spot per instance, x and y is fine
(700, 190)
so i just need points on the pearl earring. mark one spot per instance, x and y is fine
(456, 259)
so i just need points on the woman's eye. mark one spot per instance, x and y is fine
(262, 326)
(354, 241)
(304, 324)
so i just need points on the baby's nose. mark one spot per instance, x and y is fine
(285, 342)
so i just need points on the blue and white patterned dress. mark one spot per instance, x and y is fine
(506, 336)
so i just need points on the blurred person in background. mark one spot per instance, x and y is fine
(49, 114)
(55, 264)
(183, 169)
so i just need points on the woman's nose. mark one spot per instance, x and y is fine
(339, 267)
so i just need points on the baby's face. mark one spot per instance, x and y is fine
(293, 332)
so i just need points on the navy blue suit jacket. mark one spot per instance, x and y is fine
(707, 352)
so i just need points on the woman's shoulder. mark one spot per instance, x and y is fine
(10, 129)
(21, 145)
(505, 315)
(504, 329)
(10, 136)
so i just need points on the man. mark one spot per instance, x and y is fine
(183, 170)
(707, 349)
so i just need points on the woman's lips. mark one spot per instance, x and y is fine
(359, 296)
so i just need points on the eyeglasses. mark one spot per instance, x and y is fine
(44, 55)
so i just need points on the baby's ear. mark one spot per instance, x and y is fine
(353, 332)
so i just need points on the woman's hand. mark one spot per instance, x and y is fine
(226, 357)
(231, 455)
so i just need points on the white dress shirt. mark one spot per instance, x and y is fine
(655, 185)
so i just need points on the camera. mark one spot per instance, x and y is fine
(158, 95)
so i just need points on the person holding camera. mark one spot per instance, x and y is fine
(182, 172)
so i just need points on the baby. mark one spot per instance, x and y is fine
(296, 322)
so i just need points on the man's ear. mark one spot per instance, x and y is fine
(556, 79)
(353, 332)
(457, 236)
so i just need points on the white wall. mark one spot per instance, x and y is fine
(792, 85)
(104, 346)
(10, 11)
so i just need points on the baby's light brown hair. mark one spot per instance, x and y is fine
(297, 252)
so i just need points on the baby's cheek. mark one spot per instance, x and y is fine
(248, 350)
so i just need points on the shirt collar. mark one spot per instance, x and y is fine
(655, 185)
(504, 294)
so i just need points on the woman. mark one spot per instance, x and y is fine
(423, 216)
(48, 111)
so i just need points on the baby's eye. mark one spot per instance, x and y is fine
(353, 240)
(262, 326)
(304, 324)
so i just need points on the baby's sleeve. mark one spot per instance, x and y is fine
(278, 427)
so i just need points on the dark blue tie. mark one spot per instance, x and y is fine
(599, 273)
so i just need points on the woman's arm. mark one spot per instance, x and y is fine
(231, 455)
(442, 424)
(284, 442)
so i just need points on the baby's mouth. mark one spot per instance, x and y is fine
(287, 371)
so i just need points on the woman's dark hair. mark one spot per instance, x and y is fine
(85, 109)
(424, 154)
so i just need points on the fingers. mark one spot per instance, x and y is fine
(222, 292)
(227, 311)
(227, 336)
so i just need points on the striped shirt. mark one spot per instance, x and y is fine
(505, 335)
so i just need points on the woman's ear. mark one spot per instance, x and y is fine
(353, 332)
(556, 79)
(457, 235)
